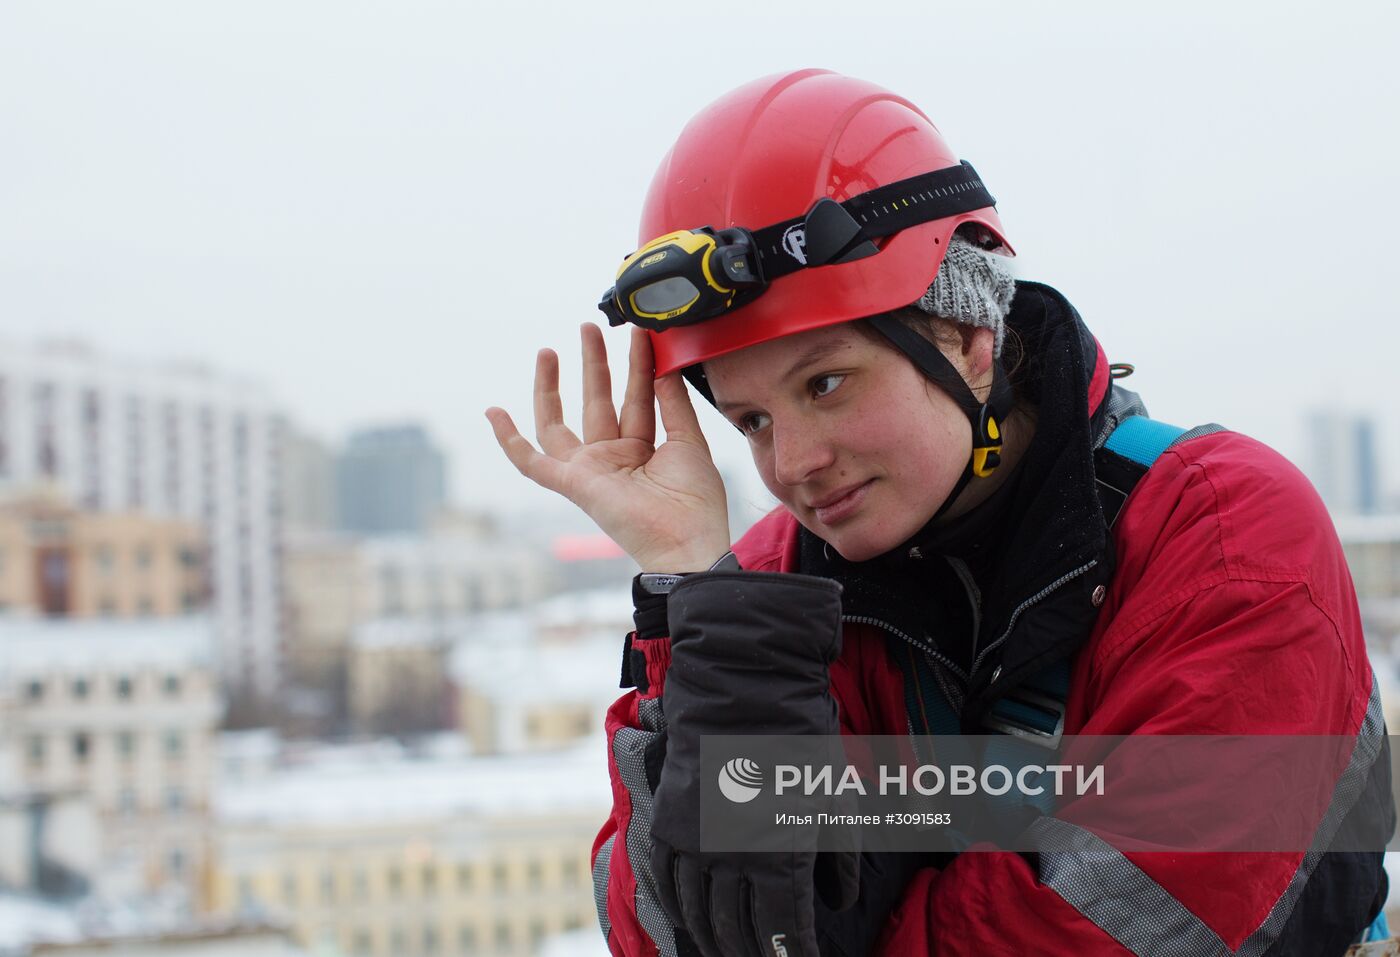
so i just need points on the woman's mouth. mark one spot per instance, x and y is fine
(842, 505)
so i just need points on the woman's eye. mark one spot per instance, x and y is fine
(826, 384)
(751, 423)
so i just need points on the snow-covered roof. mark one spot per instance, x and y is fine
(41, 645)
(520, 672)
(380, 790)
(25, 921)
(599, 606)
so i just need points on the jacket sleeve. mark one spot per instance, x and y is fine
(1234, 615)
(629, 910)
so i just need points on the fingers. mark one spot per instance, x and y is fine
(783, 914)
(599, 415)
(733, 924)
(538, 468)
(693, 892)
(677, 414)
(555, 438)
(639, 402)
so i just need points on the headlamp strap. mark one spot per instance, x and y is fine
(824, 236)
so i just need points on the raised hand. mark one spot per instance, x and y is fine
(663, 505)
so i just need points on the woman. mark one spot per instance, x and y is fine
(965, 524)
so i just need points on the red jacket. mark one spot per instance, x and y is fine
(1230, 611)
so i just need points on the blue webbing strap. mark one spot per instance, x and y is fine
(1141, 440)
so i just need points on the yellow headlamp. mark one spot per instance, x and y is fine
(682, 277)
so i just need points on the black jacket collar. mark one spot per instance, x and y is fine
(1050, 546)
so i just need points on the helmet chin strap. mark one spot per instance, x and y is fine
(985, 418)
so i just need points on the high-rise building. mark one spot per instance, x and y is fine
(390, 480)
(306, 480)
(1342, 463)
(167, 440)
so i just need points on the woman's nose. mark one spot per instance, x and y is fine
(799, 453)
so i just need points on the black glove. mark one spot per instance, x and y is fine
(749, 655)
(883, 877)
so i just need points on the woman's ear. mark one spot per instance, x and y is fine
(978, 348)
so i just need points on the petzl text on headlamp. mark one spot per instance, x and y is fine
(695, 274)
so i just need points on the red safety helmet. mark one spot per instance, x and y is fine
(763, 154)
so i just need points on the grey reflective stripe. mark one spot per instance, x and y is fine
(1369, 741)
(600, 884)
(1103, 885)
(1119, 404)
(1208, 429)
(1107, 888)
(629, 755)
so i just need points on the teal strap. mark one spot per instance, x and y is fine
(1140, 439)
(1379, 929)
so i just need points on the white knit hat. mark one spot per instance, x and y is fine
(974, 286)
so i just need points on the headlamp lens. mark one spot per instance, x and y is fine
(669, 294)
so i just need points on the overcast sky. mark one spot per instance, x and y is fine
(382, 209)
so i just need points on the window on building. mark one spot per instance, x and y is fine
(144, 556)
(573, 922)
(126, 745)
(174, 745)
(537, 932)
(80, 688)
(535, 875)
(464, 877)
(500, 877)
(327, 887)
(124, 687)
(35, 751)
(364, 943)
(176, 861)
(172, 685)
(106, 559)
(174, 799)
(126, 801)
(82, 746)
(34, 690)
(395, 881)
(398, 941)
(466, 938)
(361, 885)
(429, 878)
(145, 607)
(289, 888)
(246, 895)
(430, 940)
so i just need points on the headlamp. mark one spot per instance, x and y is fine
(683, 277)
(695, 274)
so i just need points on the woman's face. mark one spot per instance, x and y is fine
(846, 433)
